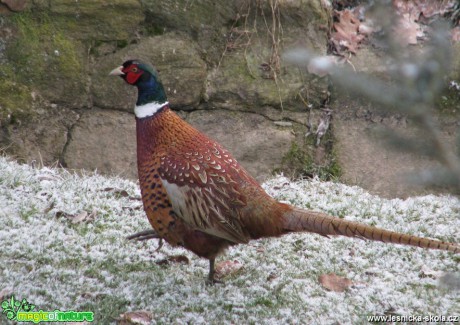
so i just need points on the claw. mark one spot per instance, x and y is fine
(146, 235)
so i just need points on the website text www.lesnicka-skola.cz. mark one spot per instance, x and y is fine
(414, 318)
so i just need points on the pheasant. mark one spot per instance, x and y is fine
(196, 195)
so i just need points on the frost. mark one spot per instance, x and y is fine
(57, 264)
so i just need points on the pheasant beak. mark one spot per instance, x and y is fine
(117, 71)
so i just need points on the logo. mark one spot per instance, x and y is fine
(23, 311)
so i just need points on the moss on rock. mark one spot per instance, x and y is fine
(95, 19)
(46, 59)
(15, 98)
(300, 160)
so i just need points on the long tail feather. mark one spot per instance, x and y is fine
(298, 220)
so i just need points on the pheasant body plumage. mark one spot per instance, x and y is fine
(196, 194)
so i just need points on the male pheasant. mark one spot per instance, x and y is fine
(196, 195)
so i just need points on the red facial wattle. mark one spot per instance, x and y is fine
(132, 74)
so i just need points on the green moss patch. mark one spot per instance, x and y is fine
(41, 48)
(299, 161)
(15, 98)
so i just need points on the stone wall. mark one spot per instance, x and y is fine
(220, 62)
(217, 62)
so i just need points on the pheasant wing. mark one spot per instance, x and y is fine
(203, 187)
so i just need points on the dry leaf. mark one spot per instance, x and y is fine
(427, 272)
(77, 218)
(272, 276)
(334, 282)
(346, 34)
(60, 214)
(117, 191)
(47, 177)
(430, 8)
(407, 30)
(80, 217)
(407, 7)
(455, 33)
(141, 317)
(84, 217)
(410, 13)
(226, 268)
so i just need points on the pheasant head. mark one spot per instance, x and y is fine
(151, 94)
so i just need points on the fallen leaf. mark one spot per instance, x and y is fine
(430, 8)
(413, 16)
(226, 268)
(427, 272)
(455, 34)
(334, 282)
(47, 178)
(49, 208)
(116, 191)
(407, 7)
(174, 259)
(407, 30)
(60, 214)
(141, 317)
(80, 217)
(346, 35)
(77, 218)
(271, 276)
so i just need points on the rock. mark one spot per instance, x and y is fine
(206, 21)
(364, 156)
(42, 139)
(213, 56)
(454, 73)
(251, 72)
(180, 66)
(44, 58)
(367, 161)
(254, 141)
(15, 5)
(93, 142)
(95, 19)
(103, 140)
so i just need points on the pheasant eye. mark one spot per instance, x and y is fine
(134, 69)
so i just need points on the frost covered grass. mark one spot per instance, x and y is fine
(58, 264)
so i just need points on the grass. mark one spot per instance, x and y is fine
(299, 162)
(57, 264)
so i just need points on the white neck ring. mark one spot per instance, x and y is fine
(148, 109)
